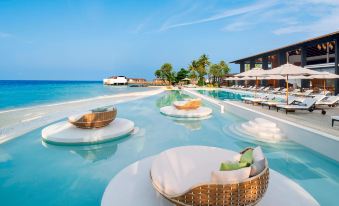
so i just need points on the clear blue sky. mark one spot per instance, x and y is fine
(89, 40)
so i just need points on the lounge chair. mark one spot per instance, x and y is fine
(331, 101)
(187, 176)
(275, 102)
(252, 99)
(97, 118)
(187, 104)
(261, 99)
(276, 90)
(306, 93)
(334, 119)
(307, 104)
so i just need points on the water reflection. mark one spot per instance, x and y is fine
(171, 97)
(92, 153)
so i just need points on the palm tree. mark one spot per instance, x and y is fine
(202, 64)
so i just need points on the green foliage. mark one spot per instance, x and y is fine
(182, 74)
(165, 73)
(217, 72)
(197, 70)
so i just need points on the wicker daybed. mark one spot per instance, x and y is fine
(94, 119)
(246, 192)
(188, 104)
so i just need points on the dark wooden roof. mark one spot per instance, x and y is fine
(316, 40)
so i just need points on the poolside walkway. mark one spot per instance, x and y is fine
(313, 119)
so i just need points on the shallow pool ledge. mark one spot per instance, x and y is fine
(321, 142)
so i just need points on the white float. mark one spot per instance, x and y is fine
(66, 133)
(262, 130)
(194, 113)
(132, 186)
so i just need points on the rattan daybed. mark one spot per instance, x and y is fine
(94, 119)
(246, 192)
(188, 104)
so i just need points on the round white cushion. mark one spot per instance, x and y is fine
(176, 170)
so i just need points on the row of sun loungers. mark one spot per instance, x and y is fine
(279, 90)
(296, 101)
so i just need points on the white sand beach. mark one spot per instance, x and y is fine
(17, 122)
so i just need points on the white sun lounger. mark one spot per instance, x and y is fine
(331, 101)
(272, 103)
(307, 104)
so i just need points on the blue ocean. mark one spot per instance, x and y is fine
(24, 93)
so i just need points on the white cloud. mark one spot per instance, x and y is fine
(324, 24)
(5, 35)
(225, 14)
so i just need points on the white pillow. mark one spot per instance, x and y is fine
(224, 177)
(258, 154)
(257, 167)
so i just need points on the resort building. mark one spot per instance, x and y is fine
(320, 53)
(136, 81)
(116, 80)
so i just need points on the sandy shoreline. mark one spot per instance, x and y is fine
(16, 122)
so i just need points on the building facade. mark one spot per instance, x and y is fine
(320, 53)
(116, 80)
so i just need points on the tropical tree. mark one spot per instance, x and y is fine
(181, 74)
(198, 68)
(202, 63)
(165, 73)
(218, 71)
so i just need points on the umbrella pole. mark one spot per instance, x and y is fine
(287, 89)
(256, 86)
(324, 86)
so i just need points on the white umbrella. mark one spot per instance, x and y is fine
(287, 70)
(255, 72)
(324, 76)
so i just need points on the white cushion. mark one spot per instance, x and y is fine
(176, 170)
(258, 154)
(233, 176)
(179, 103)
(257, 167)
(335, 117)
(75, 118)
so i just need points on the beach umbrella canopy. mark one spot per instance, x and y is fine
(272, 77)
(252, 73)
(324, 76)
(291, 70)
(300, 77)
(287, 70)
(255, 72)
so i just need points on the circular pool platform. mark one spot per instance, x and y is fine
(194, 113)
(66, 133)
(281, 190)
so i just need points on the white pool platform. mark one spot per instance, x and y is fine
(132, 186)
(66, 133)
(194, 113)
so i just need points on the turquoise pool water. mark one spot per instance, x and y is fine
(223, 95)
(34, 173)
(14, 94)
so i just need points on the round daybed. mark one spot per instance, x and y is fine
(281, 191)
(65, 133)
(190, 176)
(190, 104)
(97, 118)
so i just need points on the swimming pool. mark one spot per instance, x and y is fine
(34, 173)
(224, 95)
